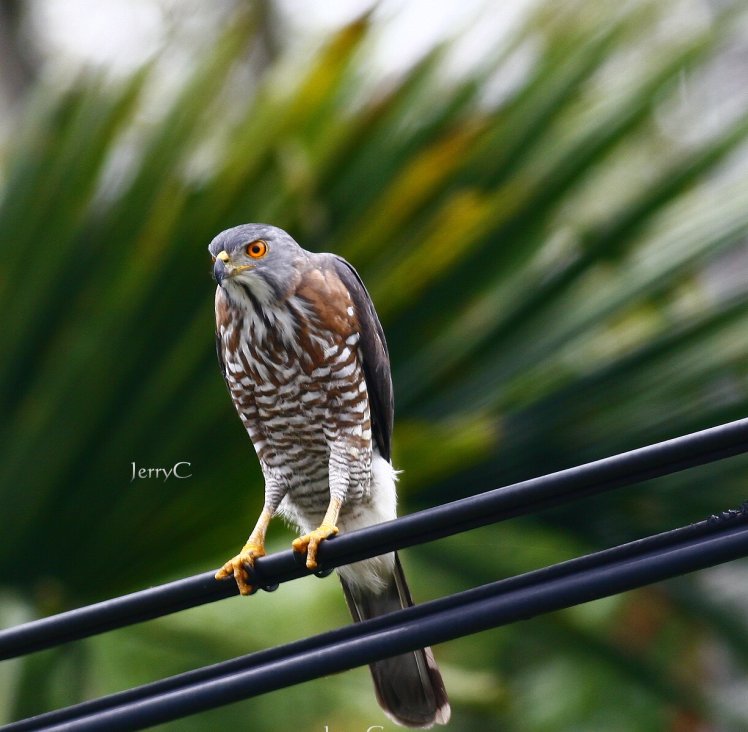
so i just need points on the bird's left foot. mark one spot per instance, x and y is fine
(310, 542)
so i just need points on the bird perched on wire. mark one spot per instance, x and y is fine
(306, 363)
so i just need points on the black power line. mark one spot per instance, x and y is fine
(719, 539)
(499, 504)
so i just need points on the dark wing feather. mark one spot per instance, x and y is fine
(376, 358)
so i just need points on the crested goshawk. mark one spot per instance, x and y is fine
(306, 363)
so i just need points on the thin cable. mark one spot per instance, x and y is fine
(597, 575)
(496, 505)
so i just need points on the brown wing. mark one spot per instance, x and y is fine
(375, 356)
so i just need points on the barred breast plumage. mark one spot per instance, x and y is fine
(299, 388)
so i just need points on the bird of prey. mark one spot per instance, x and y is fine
(306, 363)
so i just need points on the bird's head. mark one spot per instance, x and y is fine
(258, 257)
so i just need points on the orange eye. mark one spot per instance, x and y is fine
(257, 249)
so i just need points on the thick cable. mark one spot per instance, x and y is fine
(662, 556)
(496, 505)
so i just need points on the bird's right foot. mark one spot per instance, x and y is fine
(240, 567)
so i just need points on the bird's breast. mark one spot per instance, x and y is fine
(300, 393)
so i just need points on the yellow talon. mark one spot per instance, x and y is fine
(310, 542)
(240, 566)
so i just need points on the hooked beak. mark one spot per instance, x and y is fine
(222, 268)
(220, 271)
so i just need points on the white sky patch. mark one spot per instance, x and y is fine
(123, 34)
(119, 33)
(409, 30)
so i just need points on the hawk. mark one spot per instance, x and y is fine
(306, 363)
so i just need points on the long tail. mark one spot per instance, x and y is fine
(409, 687)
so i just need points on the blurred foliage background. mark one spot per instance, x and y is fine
(555, 239)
